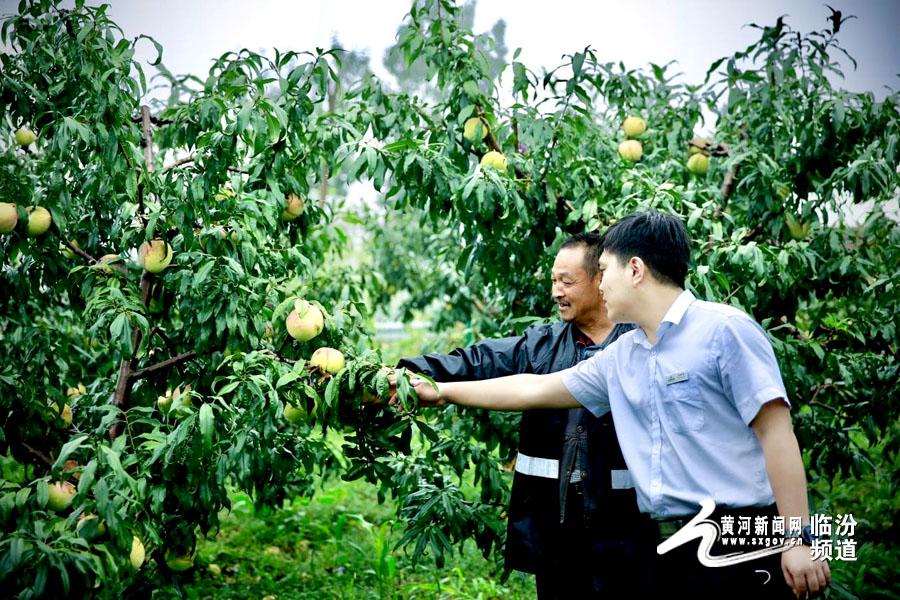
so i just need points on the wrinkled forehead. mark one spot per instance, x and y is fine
(569, 260)
(561, 271)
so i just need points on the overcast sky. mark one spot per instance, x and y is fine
(693, 32)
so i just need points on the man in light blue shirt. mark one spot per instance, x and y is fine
(698, 402)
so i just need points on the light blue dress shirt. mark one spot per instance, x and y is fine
(683, 406)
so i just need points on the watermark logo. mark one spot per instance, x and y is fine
(757, 537)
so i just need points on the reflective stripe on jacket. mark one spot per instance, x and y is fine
(547, 447)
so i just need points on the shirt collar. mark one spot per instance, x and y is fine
(673, 316)
(679, 307)
(581, 338)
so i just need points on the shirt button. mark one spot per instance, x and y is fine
(579, 429)
(584, 474)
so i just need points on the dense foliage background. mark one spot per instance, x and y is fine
(792, 223)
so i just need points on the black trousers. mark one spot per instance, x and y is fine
(597, 559)
(679, 572)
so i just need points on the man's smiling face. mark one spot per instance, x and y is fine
(575, 292)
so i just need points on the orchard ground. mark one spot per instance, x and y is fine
(338, 544)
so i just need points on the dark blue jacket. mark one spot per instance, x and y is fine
(537, 504)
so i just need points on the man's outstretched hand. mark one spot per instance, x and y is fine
(428, 396)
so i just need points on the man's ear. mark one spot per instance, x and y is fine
(638, 269)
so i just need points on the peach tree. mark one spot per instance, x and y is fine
(147, 363)
(147, 367)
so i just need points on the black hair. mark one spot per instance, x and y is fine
(593, 248)
(660, 240)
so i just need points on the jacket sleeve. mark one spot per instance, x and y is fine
(484, 360)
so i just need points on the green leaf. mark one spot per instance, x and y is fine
(118, 326)
(332, 392)
(465, 113)
(202, 273)
(79, 128)
(427, 431)
(22, 496)
(87, 476)
(243, 117)
(83, 33)
(16, 552)
(67, 449)
(207, 426)
(157, 45)
(287, 378)
(43, 493)
(520, 78)
(470, 185)
(577, 63)
(229, 388)
(817, 349)
(112, 459)
(370, 160)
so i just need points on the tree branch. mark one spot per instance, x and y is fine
(493, 144)
(430, 118)
(123, 386)
(492, 312)
(147, 137)
(125, 155)
(156, 330)
(754, 233)
(123, 383)
(323, 173)
(730, 178)
(825, 406)
(154, 120)
(147, 142)
(75, 249)
(45, 458)
(162, 365)
(515, 124)
(163, 336)
(178, 163)
(189, 159)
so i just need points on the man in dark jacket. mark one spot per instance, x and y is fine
(573, 516)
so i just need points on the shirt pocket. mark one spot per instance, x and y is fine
(683, 406)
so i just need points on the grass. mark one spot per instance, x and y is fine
(337, 545)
